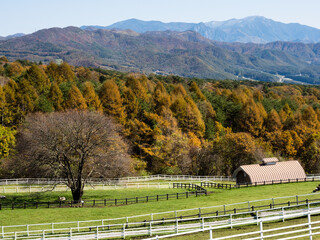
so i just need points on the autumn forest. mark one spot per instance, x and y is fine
(167, 124)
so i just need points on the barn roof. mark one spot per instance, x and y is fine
(278, 171)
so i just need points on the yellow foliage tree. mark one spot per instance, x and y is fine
(130, 103)
(137, 87)
(111, 100)
(75, 99)
(56, 96)
(92, 99)
(273, 122)
(194, 88)
(251, 119)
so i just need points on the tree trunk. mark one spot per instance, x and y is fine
(77, 194)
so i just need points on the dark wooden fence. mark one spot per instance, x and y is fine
(191, 186)
(217, 185)
(272, 182)
(254, 184)
(100, 202)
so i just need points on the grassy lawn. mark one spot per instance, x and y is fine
(216, 197)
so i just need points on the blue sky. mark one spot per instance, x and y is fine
(28, 16)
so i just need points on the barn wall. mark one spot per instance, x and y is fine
(242, 177)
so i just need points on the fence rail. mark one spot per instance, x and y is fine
(190, 186)
(58, 188)
(106, 181)
(182, 215)
(217, 185)
(150, 228)
(271, 182)
(308, 227)
(101, 202)
(112, 181)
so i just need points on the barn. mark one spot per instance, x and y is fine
(270, 170)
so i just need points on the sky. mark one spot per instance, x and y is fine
(27, 16)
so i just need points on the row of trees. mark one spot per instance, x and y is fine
(172, 124)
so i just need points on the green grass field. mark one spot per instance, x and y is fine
(216, 197)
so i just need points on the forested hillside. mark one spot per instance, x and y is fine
(186, 54)
(172, 124)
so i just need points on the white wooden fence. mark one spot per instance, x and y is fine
(132, 220)
(59, 188)
(308, 229)
(167, 228)
(38, 181)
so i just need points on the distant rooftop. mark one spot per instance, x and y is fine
(269, 160)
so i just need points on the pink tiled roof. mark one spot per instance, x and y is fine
(279, 171)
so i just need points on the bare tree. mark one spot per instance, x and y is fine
(74, 145)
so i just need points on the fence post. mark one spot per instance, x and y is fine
(231, 221)
(202, 224)
(282, 214)
(2, 231)
(97, 233)
(210, 232)
(261, 230)
(124, 231)
(310, 227)
(150, 229)
(224, 209)
(297, 199)
(177, 222)
(70, 234)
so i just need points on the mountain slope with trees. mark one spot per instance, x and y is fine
(171, 124)
(180, 53)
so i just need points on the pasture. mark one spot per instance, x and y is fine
(215, 197)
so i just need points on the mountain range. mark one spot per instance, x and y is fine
(167, 52)
(255, 29)
(12, 36)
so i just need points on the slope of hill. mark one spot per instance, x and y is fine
(182, 53)
(253, 29)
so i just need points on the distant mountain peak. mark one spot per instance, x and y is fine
(255, 29)
(12, 36)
